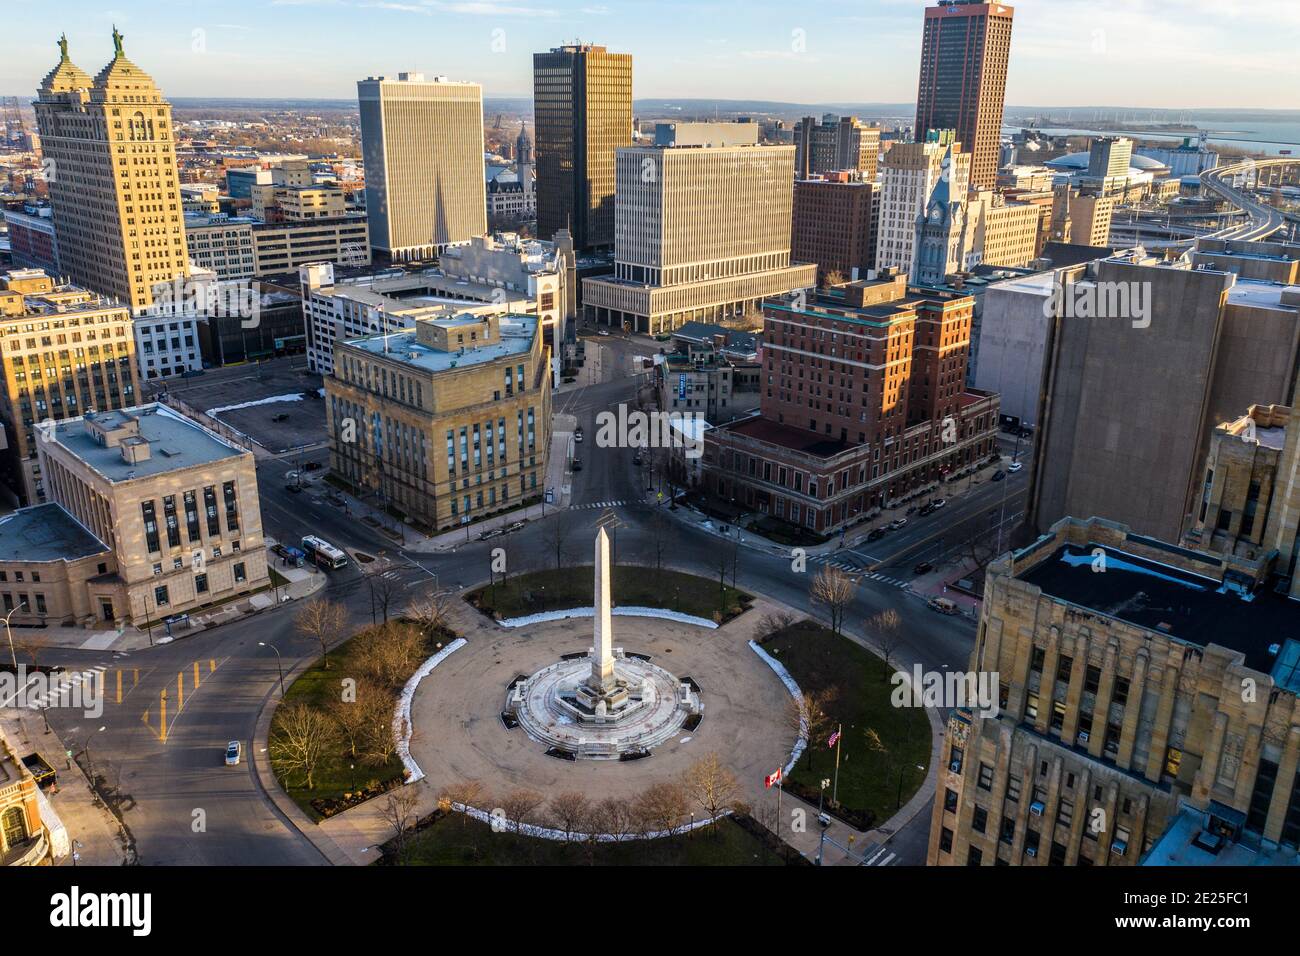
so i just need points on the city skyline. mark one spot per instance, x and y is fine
(1234, 55)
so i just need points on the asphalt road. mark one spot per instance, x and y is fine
(183, 806)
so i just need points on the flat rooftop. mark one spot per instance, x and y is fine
(1186, 842)
(46, 533)
(787, 436)
(175, 442)
(1260, 295)
(1192, 608)
(517, 332)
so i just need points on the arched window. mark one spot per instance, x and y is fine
(14, 826)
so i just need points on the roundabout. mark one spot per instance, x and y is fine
(571, 705)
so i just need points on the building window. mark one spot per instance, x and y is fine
(201, 583)
(210, 507)
(975, 857)
(14, 826)
(950, 799)
(979, 820)
(173, 525)
(40, 604)
(160, 595)
(192, 517)
(240, 575)
(232, 508)
(150, 526)
(985, 777)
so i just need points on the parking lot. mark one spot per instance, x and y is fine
(265, 401)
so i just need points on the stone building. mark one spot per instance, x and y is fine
(116, 195)
(24, 840)
(446, 422)
(63, 351)
(174, 504)
(1136, 679)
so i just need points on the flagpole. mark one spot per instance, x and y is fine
(839, 734)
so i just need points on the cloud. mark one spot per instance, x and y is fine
(488, 8)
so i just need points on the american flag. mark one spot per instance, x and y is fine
(834, 739)
(772, 778)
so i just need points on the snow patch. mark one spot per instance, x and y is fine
(793, 687)
(292, 397)
(402, 719)
(618, 612)
(549, 833)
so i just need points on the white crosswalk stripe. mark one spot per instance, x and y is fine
(844, 565)
(601, 504)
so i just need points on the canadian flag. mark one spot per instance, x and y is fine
(772, 779)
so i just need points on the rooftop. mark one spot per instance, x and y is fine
(1210, 838)
(175, 442)
(45, 532)
(517, 333)
(1196, 609)
(787, 436)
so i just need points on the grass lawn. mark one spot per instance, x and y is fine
(633, 586)
(869, 780)
(458, 840)
(334, 775)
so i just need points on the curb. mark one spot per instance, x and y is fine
(289, 811)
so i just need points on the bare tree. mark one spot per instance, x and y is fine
(384, 590)
(812, 712)
(389, 653)
(378, 739)
(659, 538)
(663, 805)
(323, 620)
(399, 812)
(833, 278)
(886, 628)
(431, 614)
(521, 807)
(772, 624)
(557, 536)
(835, 589)
(712, 785)
(615, 816)
(570, 810)
(300, 739)
(354, 715)
(462, 793)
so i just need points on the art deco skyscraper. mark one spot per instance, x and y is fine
(582, 109)
(114, 186)
(964, 55)
(422, 141)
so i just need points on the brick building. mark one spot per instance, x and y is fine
(863, 402)
(834, 224)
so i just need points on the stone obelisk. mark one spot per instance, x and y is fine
(602, 656)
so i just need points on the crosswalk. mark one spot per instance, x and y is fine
(68, 682)
(881, 857)
(600, 504)
(846, 565)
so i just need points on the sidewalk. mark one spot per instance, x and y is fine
(558, 481)
(94, 834)
(303, 582)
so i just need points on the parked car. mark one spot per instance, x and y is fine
(1015, 466)
(602, 332)
(281, 417)
(232, 754)
(942, 605)
(312, 466)
(938, 503)
(926, 509)
(877, 533)
(925, 567)
(293, 489)
(577, 464)
(897, 523)
(999, 475)
(577, 435)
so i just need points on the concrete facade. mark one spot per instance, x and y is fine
(1120, 699)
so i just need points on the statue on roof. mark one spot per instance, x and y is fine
(117, 41)
(63, 46)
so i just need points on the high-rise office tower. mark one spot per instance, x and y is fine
(908, 175)
(114, 186)
(964, 55)
(582, 111)
(422, 141)
(836, 143)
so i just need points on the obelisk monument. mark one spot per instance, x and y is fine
(602, 657)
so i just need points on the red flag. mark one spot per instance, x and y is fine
(772, 778)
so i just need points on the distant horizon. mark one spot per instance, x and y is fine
(1146, 55)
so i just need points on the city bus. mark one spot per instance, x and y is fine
(323, 553)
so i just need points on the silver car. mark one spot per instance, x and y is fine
(232, 753)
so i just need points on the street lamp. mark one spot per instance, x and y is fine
(12, 654)
(278, 663)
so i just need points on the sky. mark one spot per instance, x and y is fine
(1179, 54)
